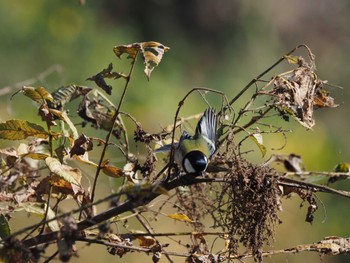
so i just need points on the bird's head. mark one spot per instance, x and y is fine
(195, 162)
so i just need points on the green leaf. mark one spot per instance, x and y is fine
(40, 210)
(20, 129)
(57, 168)
(258, 139)
(5, 230)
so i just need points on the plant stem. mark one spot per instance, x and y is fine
(115, 116)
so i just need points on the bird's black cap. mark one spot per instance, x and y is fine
(195, 162)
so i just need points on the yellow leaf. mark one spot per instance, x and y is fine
(152, 54)
(180, 217)
(37, 94)
(342, 168)
(36, 156)
(59, 182)
(20, 129)
(292, 59)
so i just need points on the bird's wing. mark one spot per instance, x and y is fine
(207, 128)
(184, 136)
(165, 148)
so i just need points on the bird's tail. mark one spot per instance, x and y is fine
(207, 128)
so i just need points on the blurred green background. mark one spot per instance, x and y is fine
(219, 44)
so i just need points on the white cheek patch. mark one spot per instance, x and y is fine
(188, 166)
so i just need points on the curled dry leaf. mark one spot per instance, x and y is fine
(81, 145)
(66, 94)
(296, 93)
(147, 241)
(152, 53)
(292, 162)
(140, 135)
(46, 115)
(69, 174)
(99, 78)
(98, 111)
(111, 170)
(64, 187)
(131, 50)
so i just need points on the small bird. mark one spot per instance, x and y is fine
(192, 153)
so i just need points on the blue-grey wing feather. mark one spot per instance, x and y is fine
(207, 128)
(165, 148)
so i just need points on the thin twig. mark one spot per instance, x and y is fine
(328, 174)
(150, 230)
(115, 116)
(316, 187)
(265, 72)
(51, 257)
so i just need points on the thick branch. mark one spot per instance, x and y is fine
(128, 205)
(188, 179)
